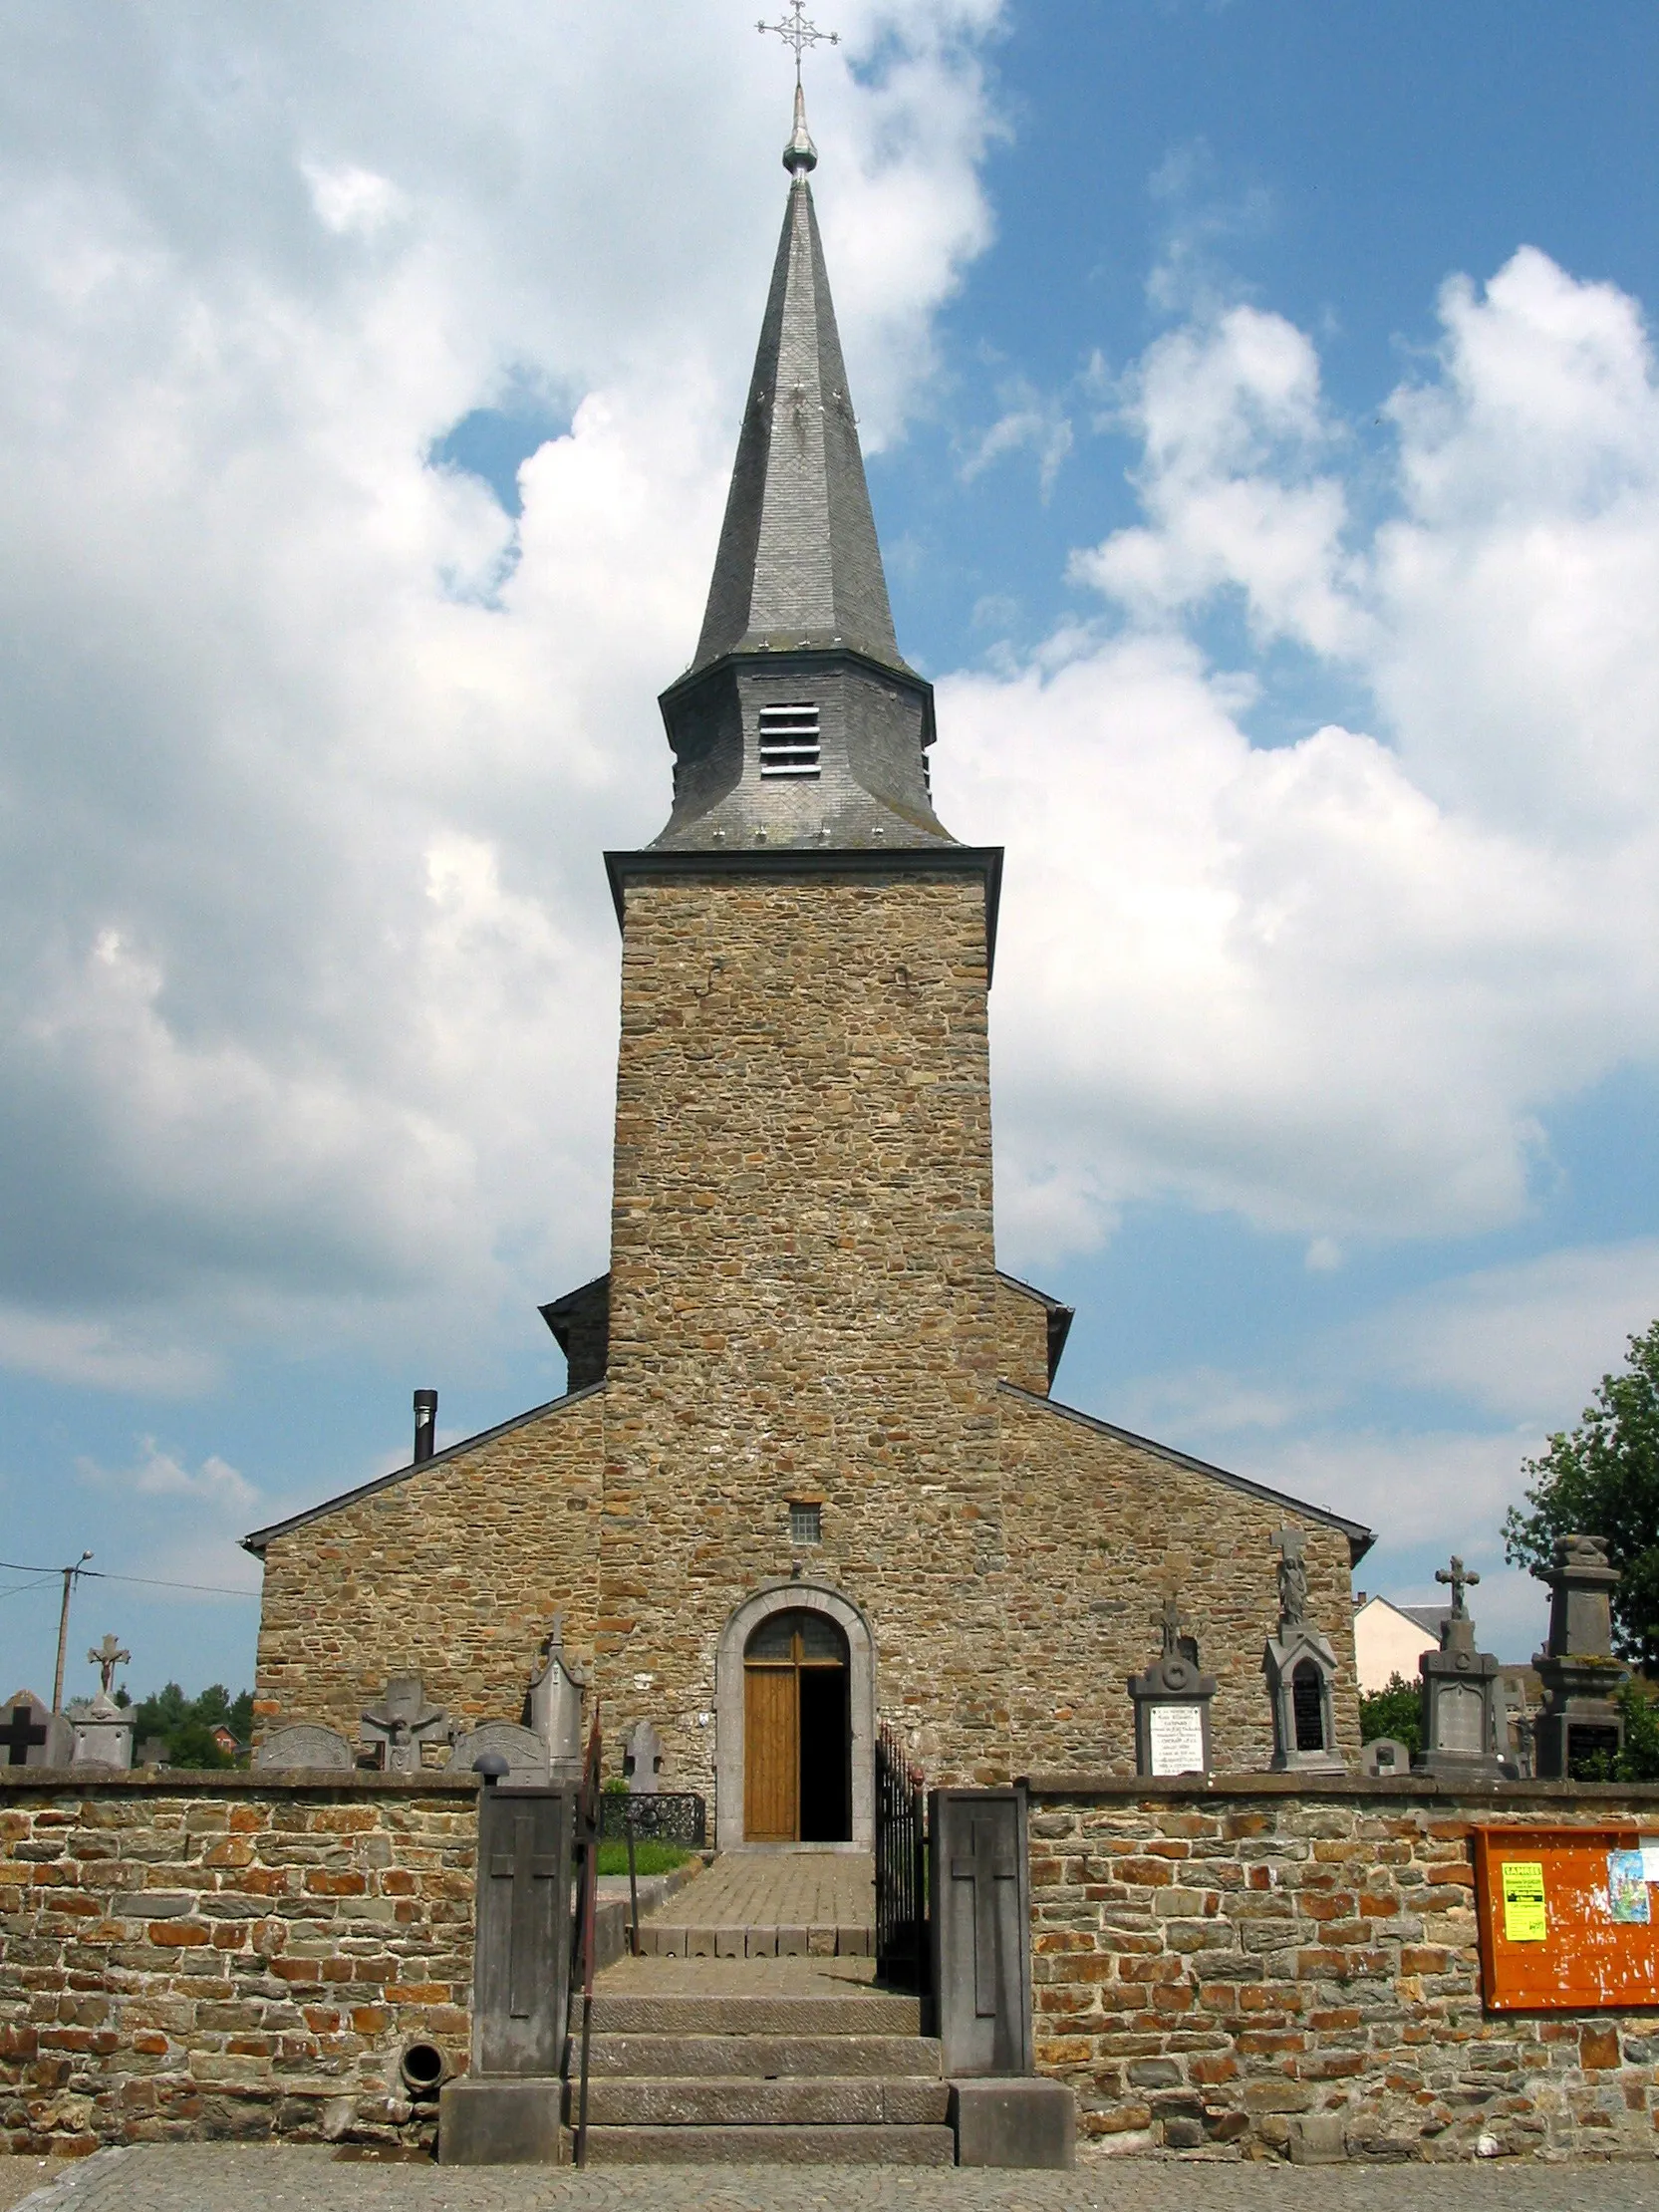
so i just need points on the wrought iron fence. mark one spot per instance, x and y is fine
(901, 1863)
(655, 1816)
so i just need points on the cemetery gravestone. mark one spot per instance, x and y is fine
(522, 1749)
(27, 1731)
(1579, 1729)
(643, 1760)
(403, 1721)
(1171, 1705)
(304, 1748)
(1300, 1667)
(1459, 1695)
(554, 1707)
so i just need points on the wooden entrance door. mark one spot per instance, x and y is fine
(783, 1650)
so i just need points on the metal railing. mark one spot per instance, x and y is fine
(901, 1864)
(654, 1817)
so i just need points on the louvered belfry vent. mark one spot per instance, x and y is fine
(789, 741)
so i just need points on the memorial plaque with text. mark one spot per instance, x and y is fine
(1177, 1738)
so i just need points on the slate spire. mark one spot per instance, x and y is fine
(798, 724)
(798, 560)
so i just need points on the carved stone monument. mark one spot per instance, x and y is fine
(522, 1749)
(1461, 1733)
(1385, 1754)
(29, 1732)
(980, 1931)
(306, 1748)
(642, 1759)
(554, 1707)
(396, 1728)
(1300, 1667)
(1172, 1704)
(101, 1735)
(506, 2110)
(1578, 1729)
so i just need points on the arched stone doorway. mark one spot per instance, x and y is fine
(795, 1723)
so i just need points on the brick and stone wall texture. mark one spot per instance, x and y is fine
(191, 1957)
(804, 1293)
(803, 1304)
(1099, 1529)
(1280, 1970)
(454, 1573)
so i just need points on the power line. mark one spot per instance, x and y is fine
(97, 1574)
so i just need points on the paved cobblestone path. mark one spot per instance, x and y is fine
(211, 2177)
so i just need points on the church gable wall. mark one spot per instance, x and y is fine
(1099, 1532)
(453, 1573)
(803, 1289)
(1023, 1337)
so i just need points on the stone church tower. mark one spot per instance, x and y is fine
(808, 1470)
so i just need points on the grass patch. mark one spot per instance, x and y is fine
(648, 1858)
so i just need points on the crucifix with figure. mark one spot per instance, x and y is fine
(1459, 1578)
(106, 1658)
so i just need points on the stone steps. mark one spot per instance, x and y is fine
(767, 2074)
(748, 2100)
(642, 2013)
(671, 1938)
(761, 2057)
(771, 2146)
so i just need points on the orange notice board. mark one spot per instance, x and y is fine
(1568, 1917)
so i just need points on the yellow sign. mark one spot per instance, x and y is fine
(1526, 1919)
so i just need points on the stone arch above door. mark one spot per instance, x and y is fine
(787, 1597)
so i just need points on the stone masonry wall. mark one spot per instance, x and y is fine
(1277, 1969)
(222, 1956)
(1022, 1338)
(804, 1291)
(454, 1573)
(1099, 1529)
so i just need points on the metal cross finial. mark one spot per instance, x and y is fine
(1458, 1578)
(797, 32)
(106, 1658)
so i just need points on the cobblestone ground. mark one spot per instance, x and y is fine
(219, 2178)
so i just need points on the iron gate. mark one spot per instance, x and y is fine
(901, 1863)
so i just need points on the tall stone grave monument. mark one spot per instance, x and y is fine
(1459, 1695)
(553, 1707)
(1172, 1704)
(1579, 1729)
(1300, 1667)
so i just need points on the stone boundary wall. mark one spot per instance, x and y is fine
(1290, 1968)
(227, 1955)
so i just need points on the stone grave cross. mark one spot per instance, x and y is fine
(20, 1732)
(106, 1658)
(1459, 1579)
(987, 1863)
(523, 1866)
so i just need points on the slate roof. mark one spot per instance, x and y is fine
(798, 562)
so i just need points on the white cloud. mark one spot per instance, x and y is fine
(309, 750)
(1334, 984)
(216, 1486)
(1529, 1342)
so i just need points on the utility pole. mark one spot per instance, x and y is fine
(70, 1572)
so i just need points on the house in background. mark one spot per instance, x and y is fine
(1389, 1641)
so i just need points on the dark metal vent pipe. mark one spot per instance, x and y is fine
(426, 1424)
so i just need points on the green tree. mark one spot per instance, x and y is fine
(1395, 1709)
(187, 1725)
(1603, 1480)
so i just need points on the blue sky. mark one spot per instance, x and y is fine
(367, 404)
